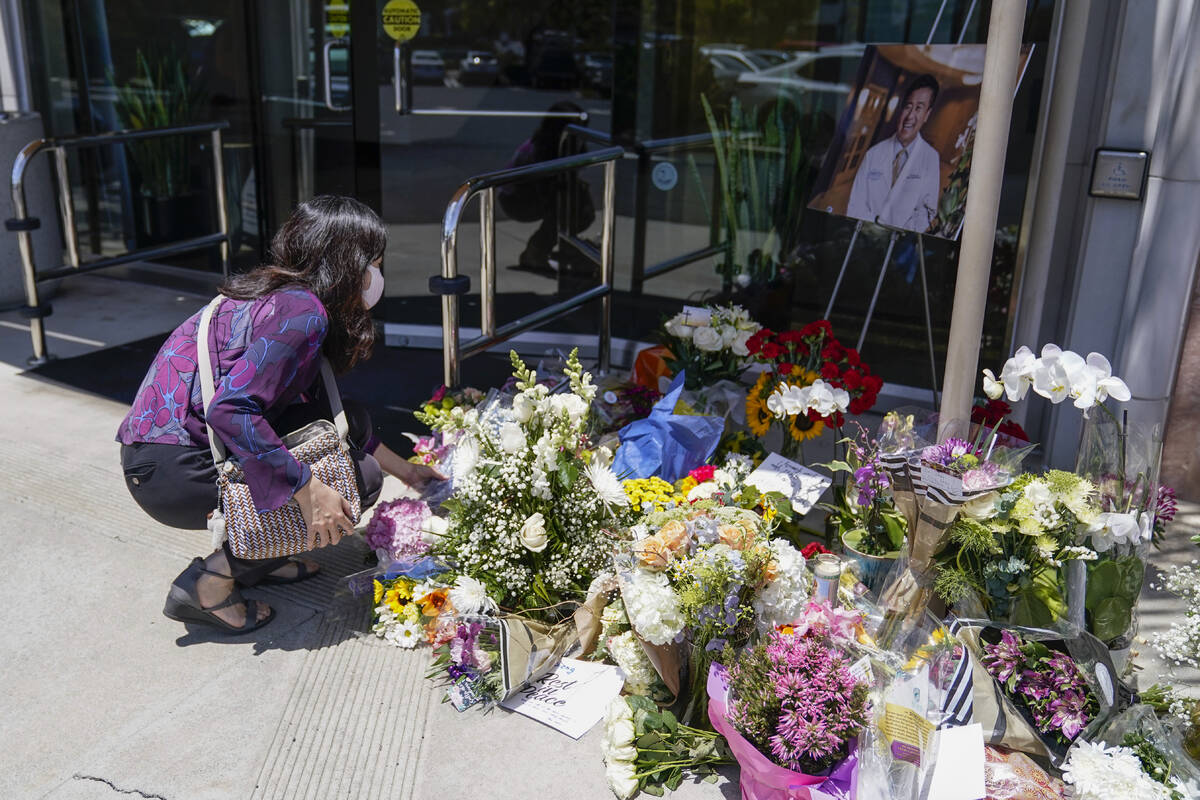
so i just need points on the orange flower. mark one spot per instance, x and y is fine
(770, 571)
(433, 603)
(673, 534)
(652, 553)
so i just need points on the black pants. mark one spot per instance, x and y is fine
(177, 484)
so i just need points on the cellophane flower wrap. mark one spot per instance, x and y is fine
(532, 505)
(706, 575)
(1162, 756)
(930, 485)
(791, 710)
(709, 343)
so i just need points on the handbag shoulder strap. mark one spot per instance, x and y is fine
(208, 388)
(205, 368)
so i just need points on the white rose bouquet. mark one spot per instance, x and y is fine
(709, 343)
(531, 504)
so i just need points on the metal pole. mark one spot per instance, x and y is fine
(983, 205)
(640, 196)
(878, 284)
(450, 353)
(37, 330)
(487, 266)
(397, 79)
(604, 354)
(928, 319)
(936, 21)
(222, 211)
(842, 272)
(66, 206)
(967, 22)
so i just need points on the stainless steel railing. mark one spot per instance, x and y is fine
(644, 152)
(24, 225)
(450, 285)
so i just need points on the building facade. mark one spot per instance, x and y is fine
(321, 98)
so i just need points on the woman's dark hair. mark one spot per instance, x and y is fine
(545, 138)
(325, 246)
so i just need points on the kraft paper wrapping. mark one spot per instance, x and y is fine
(668, 660)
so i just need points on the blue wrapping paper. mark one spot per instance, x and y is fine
(665, 444)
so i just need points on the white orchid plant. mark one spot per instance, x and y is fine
(709, 343)
(1119, 463)
(1056, 375)
(532, 504)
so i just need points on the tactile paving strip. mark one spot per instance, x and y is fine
(352, 726)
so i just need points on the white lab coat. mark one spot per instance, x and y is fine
(912, 202)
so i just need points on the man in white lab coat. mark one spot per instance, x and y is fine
(899, 180)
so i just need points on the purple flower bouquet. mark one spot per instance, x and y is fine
(791, 712)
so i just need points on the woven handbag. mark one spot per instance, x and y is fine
(321, 445)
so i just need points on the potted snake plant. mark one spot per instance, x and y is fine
(163, 94)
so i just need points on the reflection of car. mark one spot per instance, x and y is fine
(729, 63)
(554, 67)
(478, 67)
(428, 67)
(816, 82)
(598, 72)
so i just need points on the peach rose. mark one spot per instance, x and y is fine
(770, 571)
(735, 536)
(653, 554)
(674, 534)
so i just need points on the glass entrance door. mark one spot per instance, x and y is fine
(480, 88)
(466, 95)
(306, 108)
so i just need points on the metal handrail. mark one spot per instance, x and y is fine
(24, 225)
(642, 151)
(453, 352)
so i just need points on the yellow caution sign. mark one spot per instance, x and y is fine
(337, 19)
(401, 19)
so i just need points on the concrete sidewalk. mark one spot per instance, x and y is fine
(104, 697)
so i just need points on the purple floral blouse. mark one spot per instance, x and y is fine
(266, 353)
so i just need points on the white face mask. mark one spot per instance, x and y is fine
(374, 289)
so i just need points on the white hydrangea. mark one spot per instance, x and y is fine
(784, 599)
(640, 675)
(652, 606)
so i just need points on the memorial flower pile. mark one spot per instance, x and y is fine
(1046, 683)
(529, 514)
(795, 698)
(709, 343)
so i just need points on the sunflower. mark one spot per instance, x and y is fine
(801, 428)
(805, 377)
(758, 417)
